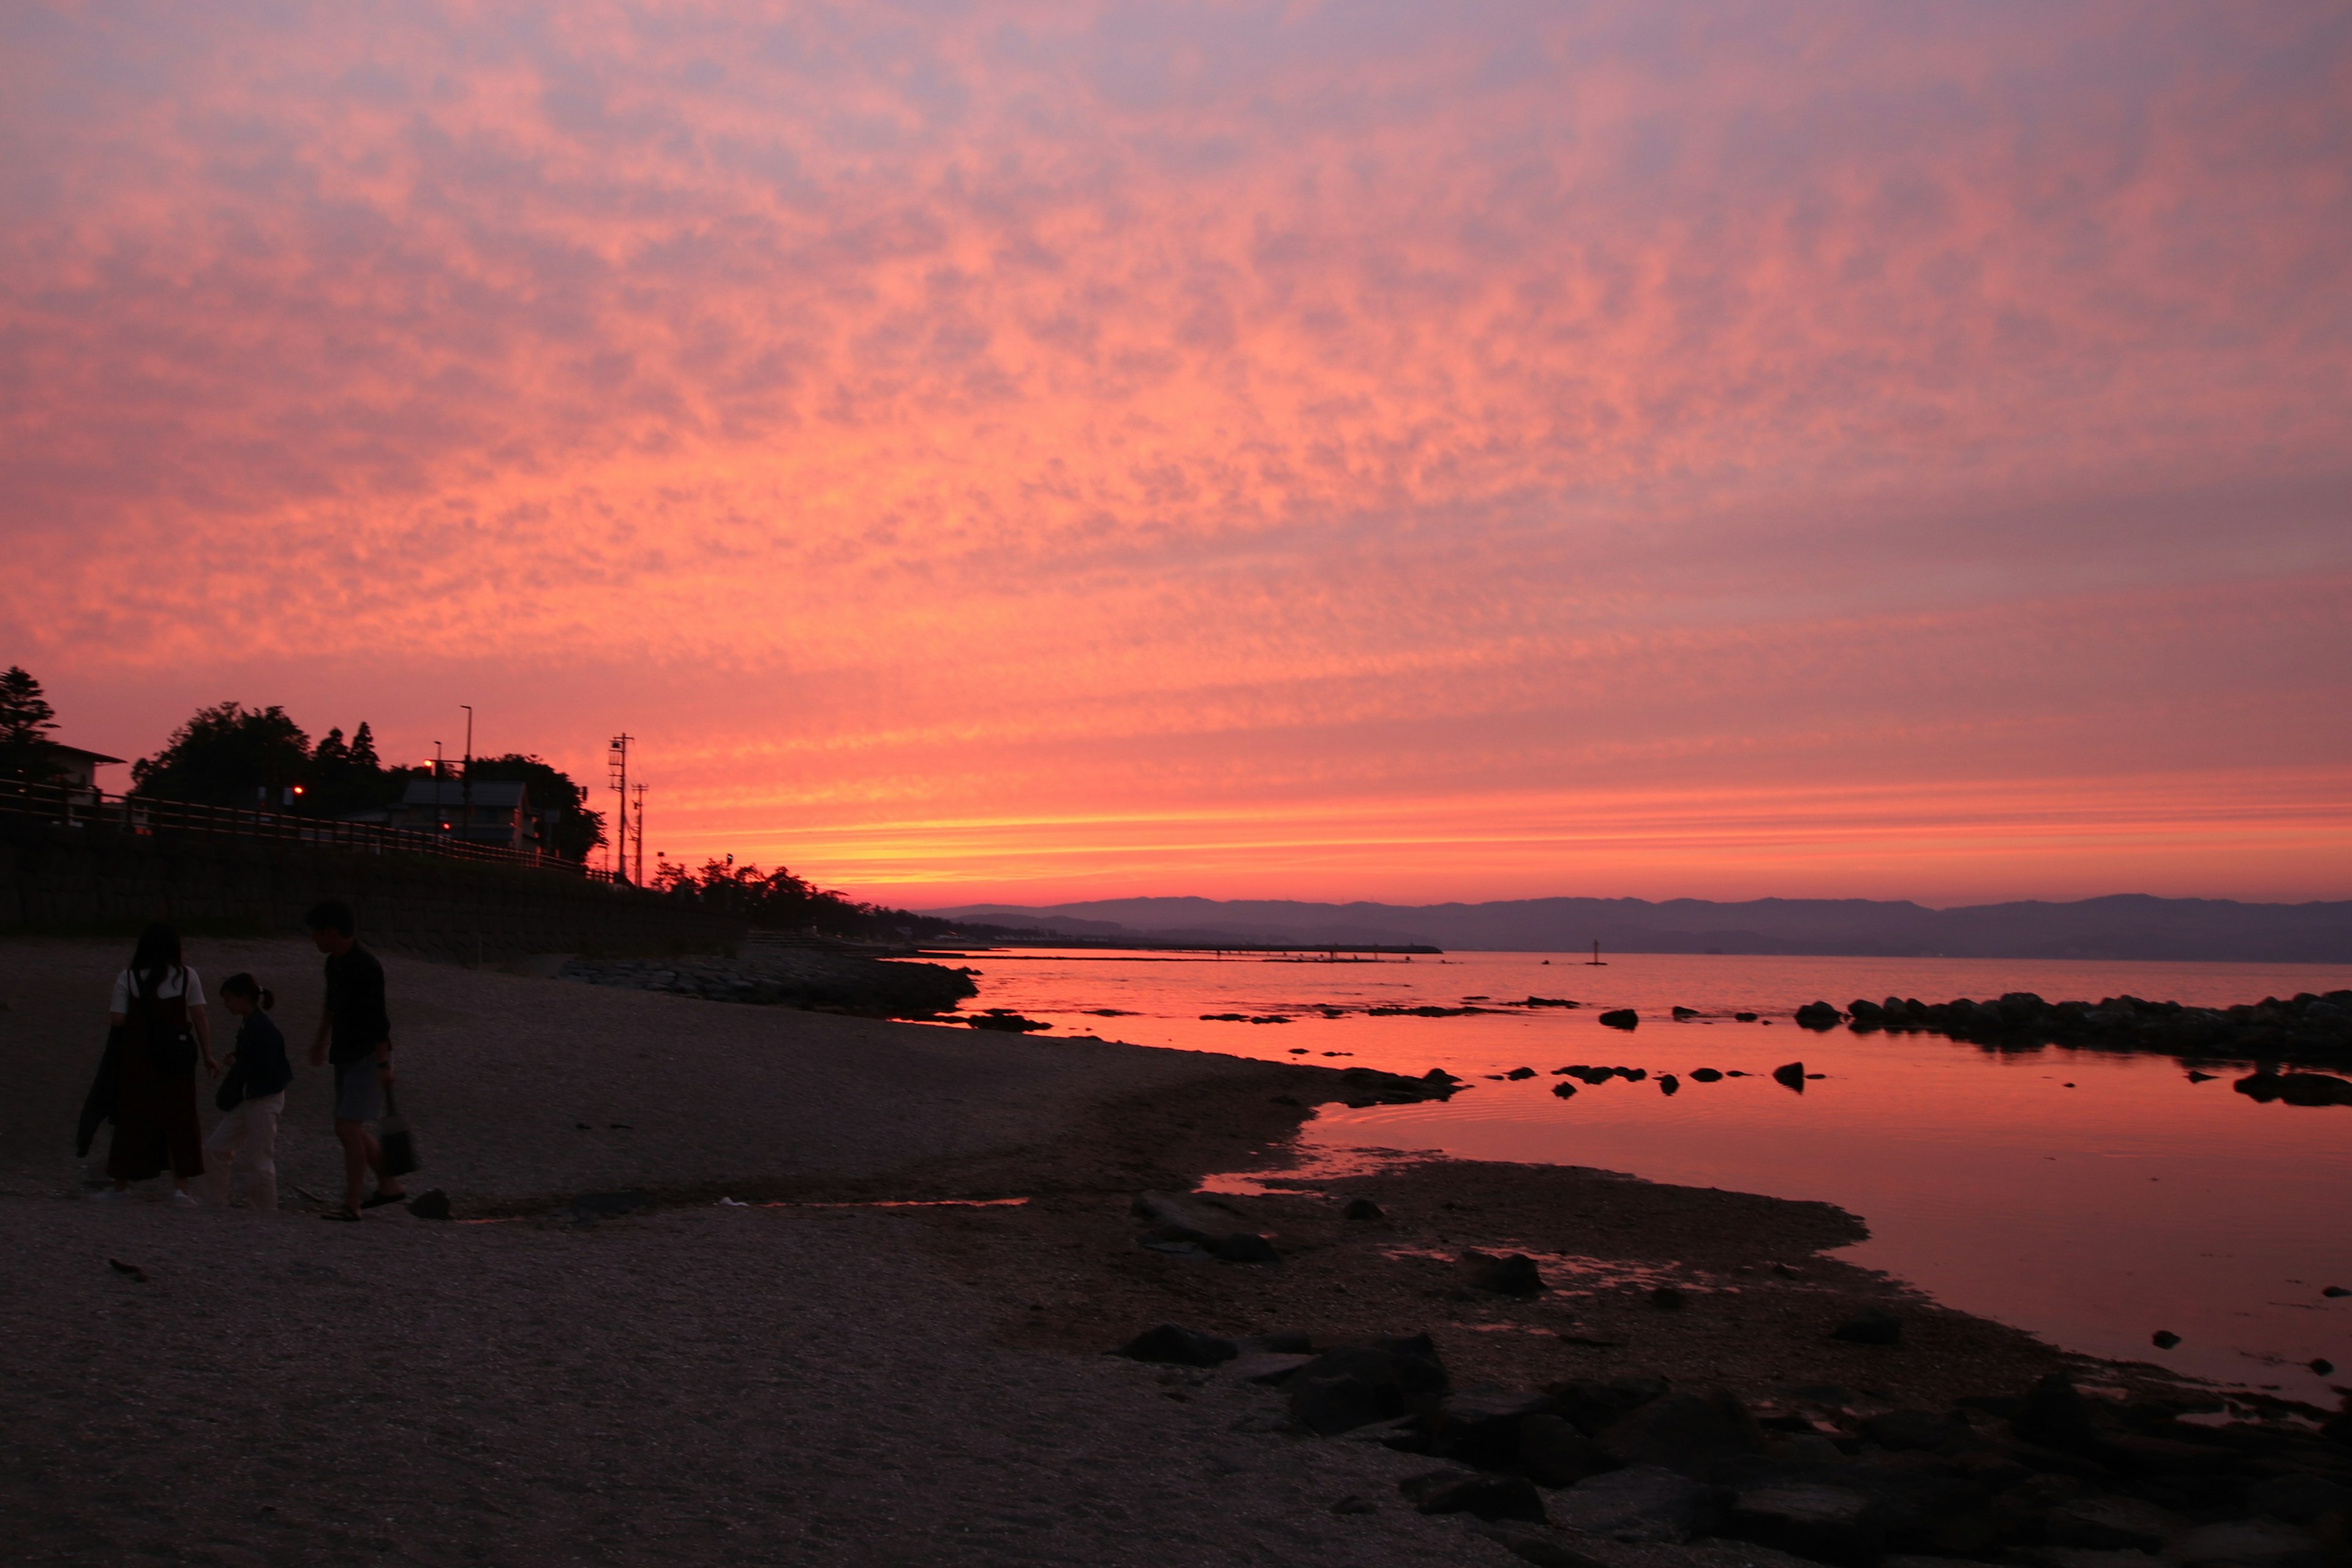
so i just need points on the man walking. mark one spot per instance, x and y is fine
(355, 1037)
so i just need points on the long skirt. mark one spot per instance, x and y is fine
(155, 1127)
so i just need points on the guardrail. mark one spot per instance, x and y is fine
(77, 806)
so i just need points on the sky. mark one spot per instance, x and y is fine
(1402, 452)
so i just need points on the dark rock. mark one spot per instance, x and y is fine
(2334, 1291)
(1686, 1012)
(1642, 1504)
(1186, 1217)
(1706, 1075)
(1565, 1090)
(433, 1203)
(1267, 1367)
(1552, 1453)
(1282, 1341)
(2109, 1524)
(1871, 1326)
(2322, 1365)
(1684, 1432)
(2164, 1338)
(2299, 1499)
(1517, 1073)
(2196, 1077)
(1351, 1503)
(1668, 1083)
(1669, 1299)
(1464, 1492)
(1621, 1018)
(2248, 1544)
(1534, 1546)
(1745, 1017)
(1512, 1274)
(1354, 1387)
(1818, 1015)
(1920, 1431)
(1179, 1347)
(1245, 1246)
(1483, 1428)
(1596, 1406)
(2056, 1415)
(1006, 1023)
(2296, 1089)
(1790, 1075)
(1363, 1211)
(1811, 1519)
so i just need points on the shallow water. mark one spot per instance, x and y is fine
(2091, 1197)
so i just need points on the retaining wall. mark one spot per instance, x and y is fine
(100, 878)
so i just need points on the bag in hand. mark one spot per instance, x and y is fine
(398, 1143)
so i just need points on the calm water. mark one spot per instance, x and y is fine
(2092, 1215)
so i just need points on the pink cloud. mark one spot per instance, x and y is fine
(1187, 413)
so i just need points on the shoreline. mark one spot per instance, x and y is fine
(871, 1113)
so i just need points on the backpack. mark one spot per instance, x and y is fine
(172, 1050)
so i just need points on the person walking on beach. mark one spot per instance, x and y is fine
(158, 1007)
(253, 1095)
(355, 1037)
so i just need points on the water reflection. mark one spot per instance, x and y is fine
(2093, 1196)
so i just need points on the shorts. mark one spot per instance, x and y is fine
(359, 1092)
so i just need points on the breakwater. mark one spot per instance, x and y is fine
(2309, 1026)
(99, 878)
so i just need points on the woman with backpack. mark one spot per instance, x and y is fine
(160, 1033)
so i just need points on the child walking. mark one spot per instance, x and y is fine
(253, 1093)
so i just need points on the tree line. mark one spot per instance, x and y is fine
(779, 900)
(229, 754)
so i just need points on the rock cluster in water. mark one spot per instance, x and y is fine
(2308, 1027)
(2048, 1476)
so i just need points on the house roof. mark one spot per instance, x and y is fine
(77, 751)
(495, 795)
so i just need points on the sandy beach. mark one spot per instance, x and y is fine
(796, 1382)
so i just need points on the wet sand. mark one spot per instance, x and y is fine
(692, 1383)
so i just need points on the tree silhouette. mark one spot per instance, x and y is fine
(26, 717)
(227, 755)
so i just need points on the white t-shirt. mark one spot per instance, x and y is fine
(176, 983)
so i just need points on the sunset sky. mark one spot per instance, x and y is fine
(1405, 452)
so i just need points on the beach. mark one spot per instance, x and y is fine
(810, 1377)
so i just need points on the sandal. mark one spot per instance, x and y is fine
(351, 1215)
(377, 1200)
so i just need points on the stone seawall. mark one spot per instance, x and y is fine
(100, 879)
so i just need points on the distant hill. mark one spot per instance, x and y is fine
(2124, 926)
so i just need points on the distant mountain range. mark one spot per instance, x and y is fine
(2126, 926)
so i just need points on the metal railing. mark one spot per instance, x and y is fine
(79, 807)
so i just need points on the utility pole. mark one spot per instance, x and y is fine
(638, 835)
(469, 771)
(616, 767)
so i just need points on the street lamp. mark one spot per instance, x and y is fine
(468, 785)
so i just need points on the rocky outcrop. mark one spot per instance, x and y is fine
(2049, 1477)
(2309, 1027)
(812, 977)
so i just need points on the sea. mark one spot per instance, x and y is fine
(2098, 1199)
